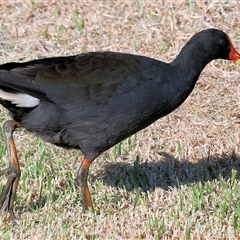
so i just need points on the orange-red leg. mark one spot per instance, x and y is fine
(82, 178)
(13, 172)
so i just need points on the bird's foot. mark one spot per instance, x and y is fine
(12, 173)
(9, 191)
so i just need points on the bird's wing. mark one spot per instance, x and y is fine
(75, 82)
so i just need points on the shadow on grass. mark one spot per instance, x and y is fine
(164, 173)
(169, 172)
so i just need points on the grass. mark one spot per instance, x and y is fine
(176, 179)
(79, 23)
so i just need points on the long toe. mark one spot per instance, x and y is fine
(9, 191)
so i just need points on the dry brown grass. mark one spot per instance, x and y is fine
(205, 126)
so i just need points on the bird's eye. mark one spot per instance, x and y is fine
(222, 42)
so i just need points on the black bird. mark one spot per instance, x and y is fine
(94, 100)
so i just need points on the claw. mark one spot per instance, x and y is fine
(13, 172)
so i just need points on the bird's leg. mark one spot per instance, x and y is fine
(82, 177)
(13, 172)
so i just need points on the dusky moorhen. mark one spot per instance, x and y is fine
(94, 100)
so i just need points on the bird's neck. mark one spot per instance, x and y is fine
(191, 61)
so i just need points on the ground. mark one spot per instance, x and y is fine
(176, 179)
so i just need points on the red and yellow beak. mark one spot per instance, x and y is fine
(234, 54)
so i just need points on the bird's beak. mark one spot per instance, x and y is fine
(234, 55)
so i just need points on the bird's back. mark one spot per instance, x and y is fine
(92, 101)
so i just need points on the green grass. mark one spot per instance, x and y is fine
(78, 21)
(58, 30)
(46, 191)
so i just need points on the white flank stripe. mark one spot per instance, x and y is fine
(20, 99)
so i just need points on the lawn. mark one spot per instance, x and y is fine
(178, 178)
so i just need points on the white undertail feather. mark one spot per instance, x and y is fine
(20, 99)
